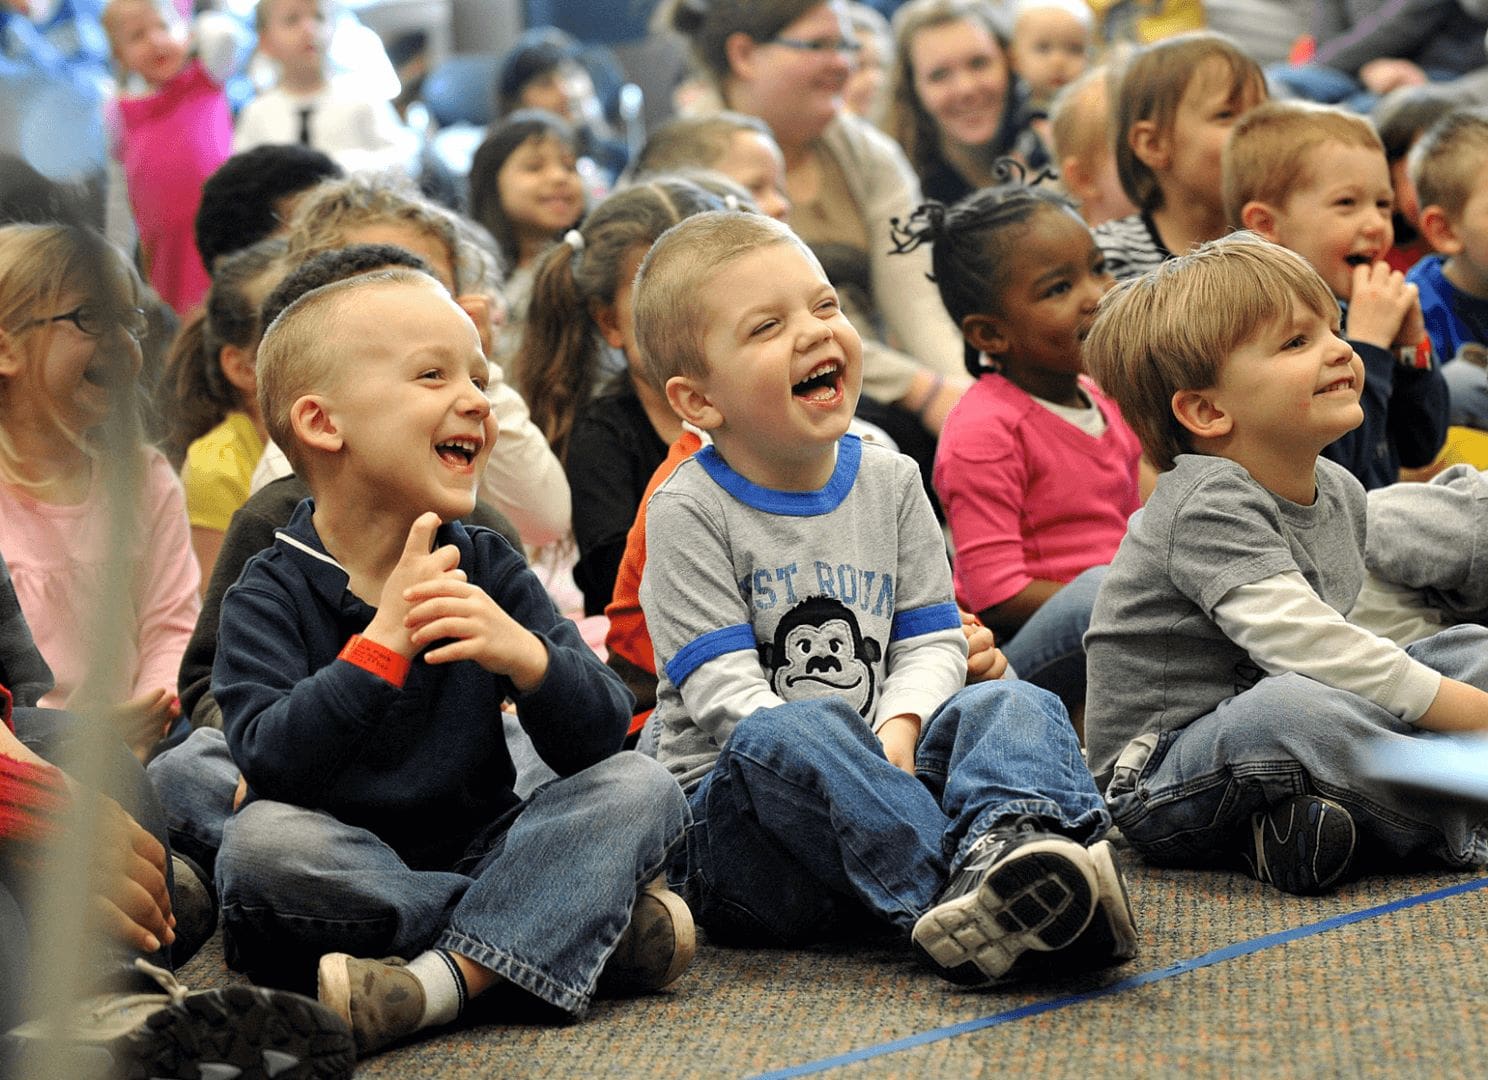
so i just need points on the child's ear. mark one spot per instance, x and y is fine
(607, 318)
(984, 333)
(1260, 219)
(1437, 228)
(1077, 181)
(1201, 415)
(691, 402)
(1150, 145)
(238, 368)
(313, 424)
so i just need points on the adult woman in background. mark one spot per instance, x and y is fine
(955, 104)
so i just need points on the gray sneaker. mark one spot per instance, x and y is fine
(657, 946)
(380, 1000)
(242, 1031)
(1020, 893)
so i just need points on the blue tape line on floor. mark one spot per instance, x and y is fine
(1229, 952)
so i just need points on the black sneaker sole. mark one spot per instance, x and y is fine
(1039, 899)
(258, 1034)
(1303, 845)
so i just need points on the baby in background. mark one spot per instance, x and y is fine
(1080, 144)
(1050, 45)
(306, 106)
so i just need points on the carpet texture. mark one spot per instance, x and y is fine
(1398, 994)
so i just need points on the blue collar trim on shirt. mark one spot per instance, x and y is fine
(789, 503)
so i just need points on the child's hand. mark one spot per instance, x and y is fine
(417, 565)
(143, 721)
(984, 660)
(129, 893)
(1380, 306)
(483, 631)
(899, 734)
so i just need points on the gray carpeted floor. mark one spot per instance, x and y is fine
(1401, 992)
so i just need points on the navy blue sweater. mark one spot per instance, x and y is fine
(1405, 419)
(425, 767)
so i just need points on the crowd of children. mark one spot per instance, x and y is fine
(881, 628)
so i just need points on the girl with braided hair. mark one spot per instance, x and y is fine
(1036, 469)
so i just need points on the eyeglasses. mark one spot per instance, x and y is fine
(98, 321)
(819, 45)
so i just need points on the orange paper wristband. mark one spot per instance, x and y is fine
(378, 659)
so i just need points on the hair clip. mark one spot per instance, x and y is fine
(730, 201)
(574, 239)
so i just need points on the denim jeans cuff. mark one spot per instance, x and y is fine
(572, 1000)
(1085, 827)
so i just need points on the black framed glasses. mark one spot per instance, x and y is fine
(96, 321)
(819, 46)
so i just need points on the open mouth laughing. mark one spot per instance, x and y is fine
(822, 383)
(460, 451)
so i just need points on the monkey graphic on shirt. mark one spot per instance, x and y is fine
(818, 649)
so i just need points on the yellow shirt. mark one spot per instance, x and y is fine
(218, 468)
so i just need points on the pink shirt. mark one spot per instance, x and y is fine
(59, 556)
(169, 143)
(1029, 495)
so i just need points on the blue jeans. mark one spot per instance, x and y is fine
(197, 779)
(803, 824)
(1467, 386)
(1318, 82)
(540, 898)
(1190, 804)
(1048, 650)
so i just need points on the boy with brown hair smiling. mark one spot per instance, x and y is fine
(1230, 700)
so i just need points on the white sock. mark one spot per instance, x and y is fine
(444, 987)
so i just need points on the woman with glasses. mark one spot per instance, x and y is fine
(787, 62)
(92, 521)
(955, 104)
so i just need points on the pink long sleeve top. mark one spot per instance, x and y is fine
(59, 556)
(1028, 495)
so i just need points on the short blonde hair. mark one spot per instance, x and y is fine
(1078, 128)
(109, 18)
(261, 12)
(1268, 153)
(674, 276)
(1449, 161)
(1174, 328)
(302, 351)
(1152, 87)
(695, 141)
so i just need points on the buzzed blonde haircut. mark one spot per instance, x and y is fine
(1152, 87)
(675, 276)
(1450, 160)
(305, 349)
(1175, 327)
(1267, 157)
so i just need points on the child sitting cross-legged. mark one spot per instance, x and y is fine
(361, 668)
(811, 657)
(1230, 701)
